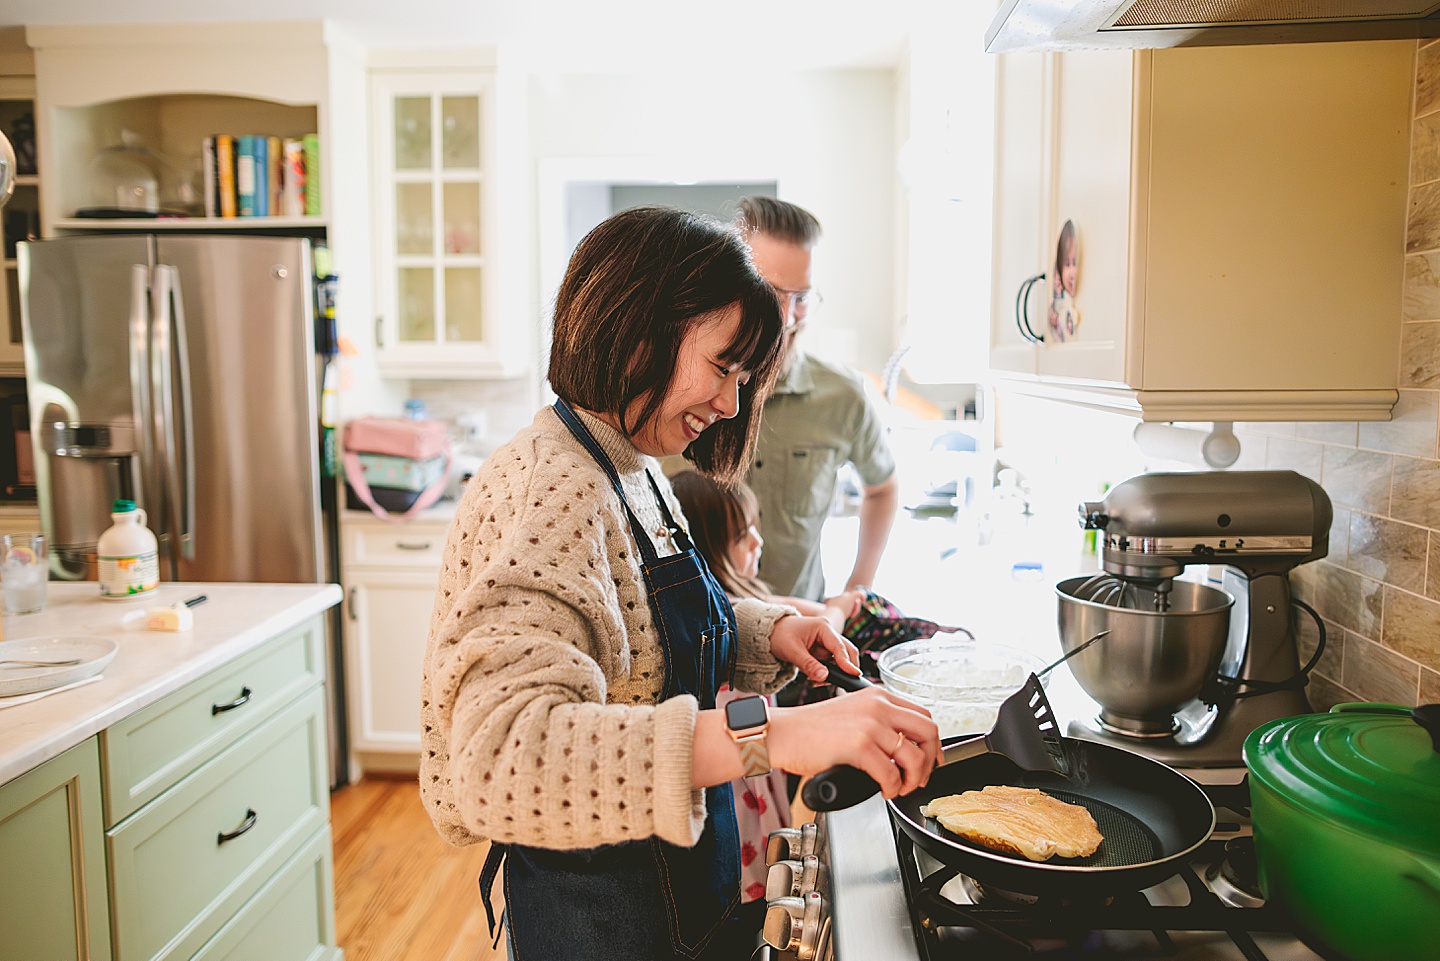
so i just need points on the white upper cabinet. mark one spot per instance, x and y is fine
(1238, 216)
(138, 101)
(435, 241)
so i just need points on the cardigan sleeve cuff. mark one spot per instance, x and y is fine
(756, 669)
(679, 809)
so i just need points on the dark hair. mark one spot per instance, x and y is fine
(636, 286)
(779, 219)
(719, 516)
(1067, 239)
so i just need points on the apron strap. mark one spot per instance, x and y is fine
(587, 440)
(488, 872)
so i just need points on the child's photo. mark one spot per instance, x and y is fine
(1064, 313)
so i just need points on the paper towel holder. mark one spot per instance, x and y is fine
(1218, 448)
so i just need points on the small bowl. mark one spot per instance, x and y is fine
(962, 682)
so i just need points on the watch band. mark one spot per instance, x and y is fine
(755, 755)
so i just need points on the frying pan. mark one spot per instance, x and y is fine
(1151, 816)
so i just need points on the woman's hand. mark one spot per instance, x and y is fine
(892, 740)
(807, 641)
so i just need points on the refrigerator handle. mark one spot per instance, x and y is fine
(143, 473)
(164, 416)
(187, 425)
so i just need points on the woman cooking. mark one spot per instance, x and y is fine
(577, 641)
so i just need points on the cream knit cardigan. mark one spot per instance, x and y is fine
(540, 704)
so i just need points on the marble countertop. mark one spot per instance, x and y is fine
(235, 618)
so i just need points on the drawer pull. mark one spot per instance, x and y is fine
(245, 695)
(250, 818)
(412, 547)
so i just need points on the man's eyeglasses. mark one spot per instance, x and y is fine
(796, 305)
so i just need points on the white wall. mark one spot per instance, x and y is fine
(826, 138)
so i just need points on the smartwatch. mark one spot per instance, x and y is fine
(748, 720)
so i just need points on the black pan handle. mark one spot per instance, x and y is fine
(841, 786)
(838, 788)
(846, 682)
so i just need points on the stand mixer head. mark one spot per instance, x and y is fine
(1215, 687)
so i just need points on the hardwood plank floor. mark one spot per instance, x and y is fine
(401, 893)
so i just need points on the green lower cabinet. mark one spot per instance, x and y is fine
(184, 864)
(290, 919)
(52, 862)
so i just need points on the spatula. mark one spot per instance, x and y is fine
(1025, 732)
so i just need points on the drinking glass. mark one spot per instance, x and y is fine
(24, 568)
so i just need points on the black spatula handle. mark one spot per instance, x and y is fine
(838, 788)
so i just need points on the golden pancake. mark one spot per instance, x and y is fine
(1018, 820)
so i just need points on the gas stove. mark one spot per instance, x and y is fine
(856, 889)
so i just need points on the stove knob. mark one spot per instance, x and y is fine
(795, 924)
(792, 879)
(783, 880)
(790, 843)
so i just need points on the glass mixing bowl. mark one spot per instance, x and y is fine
(961, 682)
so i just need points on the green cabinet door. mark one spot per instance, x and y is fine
(52, 862)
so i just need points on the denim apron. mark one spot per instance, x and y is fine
(642, 899)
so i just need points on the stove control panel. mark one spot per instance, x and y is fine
(797, 894)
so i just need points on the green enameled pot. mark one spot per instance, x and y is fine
(1346, 811)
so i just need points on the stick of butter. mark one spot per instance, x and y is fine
(178, 618)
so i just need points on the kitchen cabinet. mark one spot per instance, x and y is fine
(1241, 218)
(52, 844)
(196, 826)
(213, 794)
(436, 243)
(166, 88)
(391, 572)
(20, 219)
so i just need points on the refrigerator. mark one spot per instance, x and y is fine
(181, 372)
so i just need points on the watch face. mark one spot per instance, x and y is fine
(745, 712)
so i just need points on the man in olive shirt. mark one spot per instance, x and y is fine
(817, 420)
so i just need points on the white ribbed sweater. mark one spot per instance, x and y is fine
(540, 705)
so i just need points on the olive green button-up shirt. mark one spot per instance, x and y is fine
(817, 420)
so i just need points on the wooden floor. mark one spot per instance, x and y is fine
(401, 893)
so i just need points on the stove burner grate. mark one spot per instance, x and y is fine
(1011, 919)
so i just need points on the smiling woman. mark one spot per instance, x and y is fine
(578, 641)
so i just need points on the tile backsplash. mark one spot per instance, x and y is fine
(1378, 591)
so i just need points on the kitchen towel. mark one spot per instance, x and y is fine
(36, 695)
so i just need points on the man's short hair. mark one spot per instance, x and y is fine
(779, 219)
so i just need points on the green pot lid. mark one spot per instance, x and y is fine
(1370, 767)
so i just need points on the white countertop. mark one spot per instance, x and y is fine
(235, 618)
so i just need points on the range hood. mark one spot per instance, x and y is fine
(1147, 24)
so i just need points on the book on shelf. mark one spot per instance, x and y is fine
(256, 175)
(225, 174)
(292, 202)
(312, 174)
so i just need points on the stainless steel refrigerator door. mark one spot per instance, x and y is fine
(84, 307)
(243, 307)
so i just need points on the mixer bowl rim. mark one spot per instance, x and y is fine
(1081, 579)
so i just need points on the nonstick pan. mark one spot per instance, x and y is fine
(1151, 816)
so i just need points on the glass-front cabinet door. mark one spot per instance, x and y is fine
(20, 219)
(435, 263)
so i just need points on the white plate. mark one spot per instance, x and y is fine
(94, 653)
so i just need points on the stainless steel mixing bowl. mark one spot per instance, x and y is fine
(1152, 662)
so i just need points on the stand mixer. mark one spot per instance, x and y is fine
(1188, 670)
